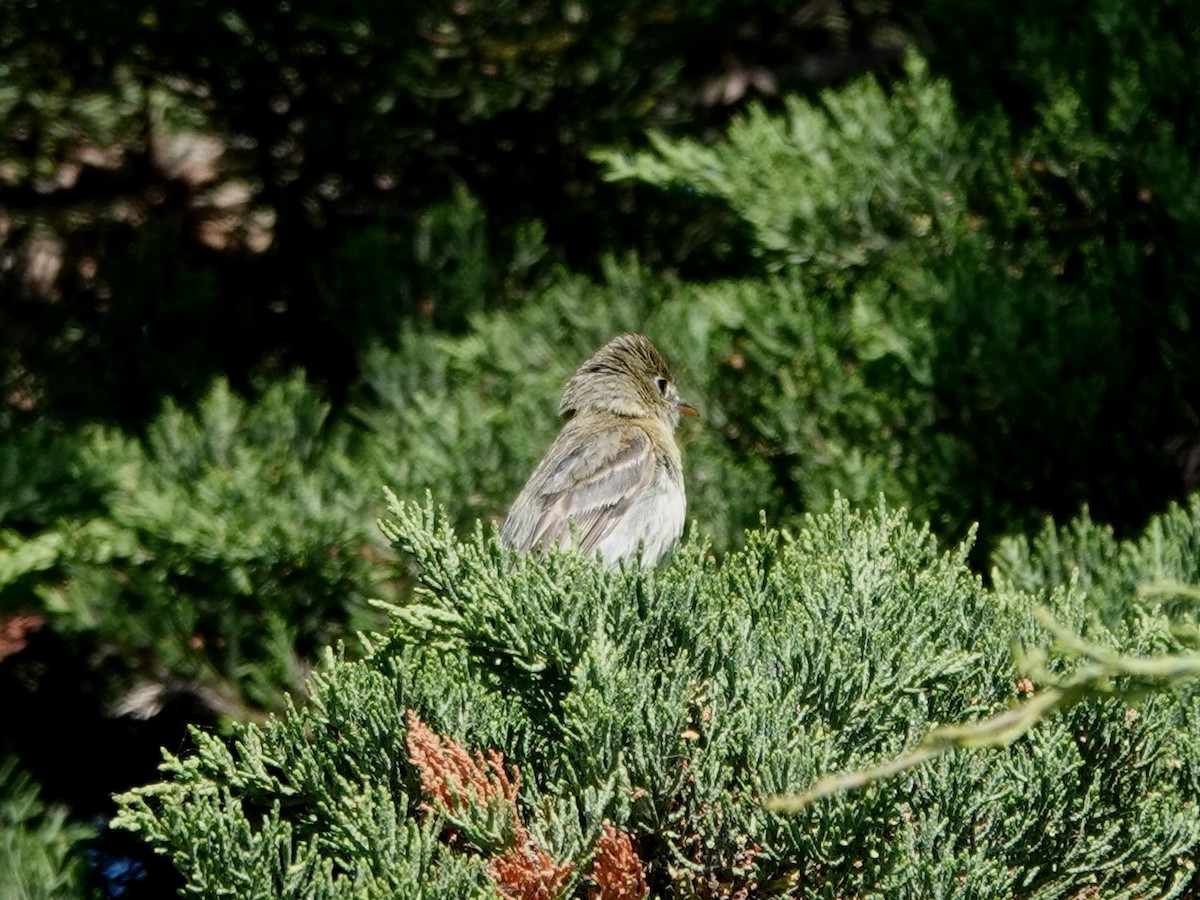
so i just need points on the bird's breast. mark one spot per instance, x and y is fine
(654, 520)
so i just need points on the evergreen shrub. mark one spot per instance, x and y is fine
(40, 855)
(966, 313)
(213, 556)
(668, 705)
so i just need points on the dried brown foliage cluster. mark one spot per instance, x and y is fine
(526, 872)
(15, 631)
(616, 869)
(454, 781)
(478, 796)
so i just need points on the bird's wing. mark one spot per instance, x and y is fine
(591, 487)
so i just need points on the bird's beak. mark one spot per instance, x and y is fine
(686, 408)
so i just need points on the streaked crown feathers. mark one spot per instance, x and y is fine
(622, 377)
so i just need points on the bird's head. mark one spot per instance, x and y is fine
(629, 377)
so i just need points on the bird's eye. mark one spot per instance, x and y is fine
(662, 385)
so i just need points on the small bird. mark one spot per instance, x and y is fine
(613, 479)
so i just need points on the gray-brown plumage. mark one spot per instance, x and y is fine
(613, 479)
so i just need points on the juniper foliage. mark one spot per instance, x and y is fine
(983, 317)
(217, 553)
(40, 855)
(959, 293)
(673, 702)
